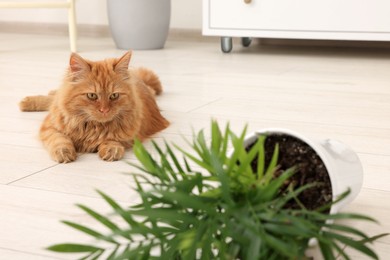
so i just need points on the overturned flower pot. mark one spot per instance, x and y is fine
(330, 163)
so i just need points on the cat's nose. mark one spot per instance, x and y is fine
(104, 110)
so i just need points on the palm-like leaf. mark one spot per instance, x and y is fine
(228, 212)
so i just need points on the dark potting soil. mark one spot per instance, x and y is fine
(309, 168)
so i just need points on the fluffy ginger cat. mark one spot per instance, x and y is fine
(101, 107)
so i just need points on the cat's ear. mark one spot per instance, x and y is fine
(78, 64)
(122, 64)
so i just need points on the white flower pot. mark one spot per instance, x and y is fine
(139, 24)
(342, 163)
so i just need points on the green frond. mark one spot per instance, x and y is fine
(74, 248)
(221, 208)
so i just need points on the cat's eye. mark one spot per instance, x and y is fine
(92, 96)
(114, 96)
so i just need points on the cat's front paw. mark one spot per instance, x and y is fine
(64, 154)
(111, 152)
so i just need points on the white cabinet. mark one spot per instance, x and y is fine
(299, 19)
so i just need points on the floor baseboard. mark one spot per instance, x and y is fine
(86, 30)
(175, 34)
(53, 29)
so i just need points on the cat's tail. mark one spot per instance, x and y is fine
(36, 103)
(150, 78)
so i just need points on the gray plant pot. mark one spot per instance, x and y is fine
(139, 24)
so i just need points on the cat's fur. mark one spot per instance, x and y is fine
(101, 107)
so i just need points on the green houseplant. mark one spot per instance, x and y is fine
(221, 208)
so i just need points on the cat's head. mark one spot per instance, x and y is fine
(97, 90)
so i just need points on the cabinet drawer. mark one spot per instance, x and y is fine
(372, 16)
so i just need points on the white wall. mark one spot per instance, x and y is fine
(186, 14)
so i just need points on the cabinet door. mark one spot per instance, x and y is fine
(301, 15)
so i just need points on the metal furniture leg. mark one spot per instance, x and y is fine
(226, 44)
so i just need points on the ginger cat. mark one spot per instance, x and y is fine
(101, 107)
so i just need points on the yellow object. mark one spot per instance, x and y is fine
(68, 4)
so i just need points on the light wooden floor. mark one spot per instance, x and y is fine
(341, 93)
